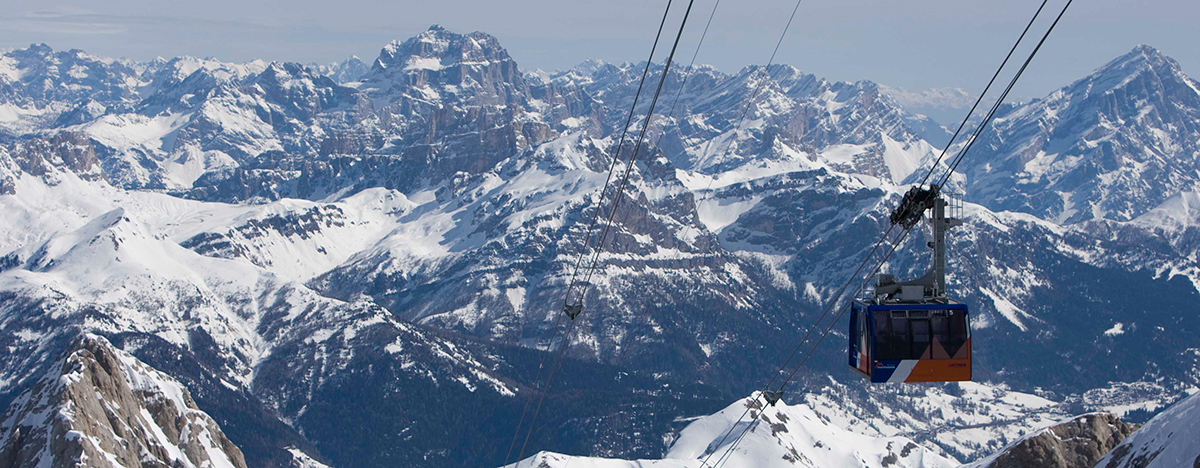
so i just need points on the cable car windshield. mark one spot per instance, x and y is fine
(919, 334)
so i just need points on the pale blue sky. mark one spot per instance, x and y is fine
(914, 44)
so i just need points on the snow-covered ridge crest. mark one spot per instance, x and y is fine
(1167, 441)
(1177, 213)
(181, 67)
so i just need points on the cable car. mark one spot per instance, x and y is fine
(911, 331)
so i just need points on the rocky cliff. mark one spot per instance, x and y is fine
(1076, 443)
(103, 408)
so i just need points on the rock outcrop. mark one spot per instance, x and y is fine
(1076, 443)
(103, 408)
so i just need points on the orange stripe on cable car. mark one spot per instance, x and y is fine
(940, 370)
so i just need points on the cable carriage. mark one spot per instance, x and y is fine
(910, 331)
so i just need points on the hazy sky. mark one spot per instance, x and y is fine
(913, 44)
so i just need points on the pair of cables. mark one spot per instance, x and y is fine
(572, 310)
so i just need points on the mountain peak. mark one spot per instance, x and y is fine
(1086, 150)
(590, 65)
(1141, 59)
(40, 48)
(1148, 54)
(438, 48)
(1145, 49)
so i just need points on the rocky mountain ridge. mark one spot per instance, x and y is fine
(1078, 443)
(100, 407)
(1112, 145)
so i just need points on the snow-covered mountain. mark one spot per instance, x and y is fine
(268, 355)
(1167, 440)
(327, 253)
(100, 407)
(1112, 145)
(41, 88)
(346, 71)
(782, 436)
(807, 435)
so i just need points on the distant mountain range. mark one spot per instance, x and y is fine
(362, 265)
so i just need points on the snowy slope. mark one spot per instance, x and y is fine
(85, 247)
(558, 460)
(783, 436)
(960, 421)
(1168, 440)
(794, 435)
(1176, 214)
(295, 239)
(833, 428)
(87, 261)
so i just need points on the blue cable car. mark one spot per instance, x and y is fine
(910, 342)
(910, 331)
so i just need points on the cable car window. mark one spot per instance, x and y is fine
(901, 334)
(957, 334)
(863, 331)
(941, 326)
(899, 324)
(920, 339)
(891, 335)
(882, 336)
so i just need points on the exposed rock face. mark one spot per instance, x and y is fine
(71, 151)
(9, 171)
(1077, 443)
(103, 408)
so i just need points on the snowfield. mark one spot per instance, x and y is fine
(782, 436)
